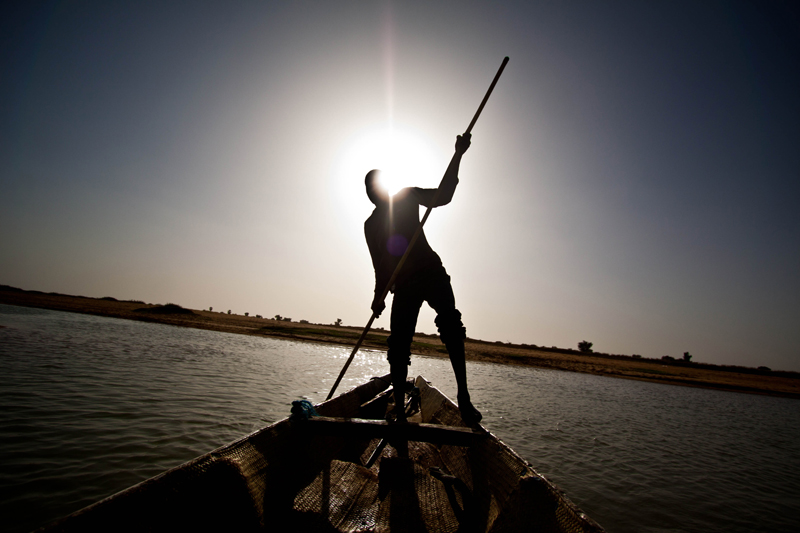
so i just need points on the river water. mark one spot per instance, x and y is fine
(90, 406)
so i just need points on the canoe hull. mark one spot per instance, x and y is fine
(285, 473)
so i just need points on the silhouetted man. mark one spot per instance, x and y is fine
(421, 279)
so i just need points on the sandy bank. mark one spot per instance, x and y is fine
(737, 379)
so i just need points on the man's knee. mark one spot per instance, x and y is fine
(451, 329)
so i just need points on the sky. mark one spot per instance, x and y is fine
(632, 181)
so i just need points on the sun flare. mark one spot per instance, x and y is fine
(404, 158)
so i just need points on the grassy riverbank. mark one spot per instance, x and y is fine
(740, 379)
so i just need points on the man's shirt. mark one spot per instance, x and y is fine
(390, 228)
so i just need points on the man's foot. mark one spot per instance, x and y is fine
(469, 414)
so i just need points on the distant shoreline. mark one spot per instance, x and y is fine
(736, 379)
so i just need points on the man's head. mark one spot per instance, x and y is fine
(375, 189)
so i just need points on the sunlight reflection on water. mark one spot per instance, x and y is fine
(93, 405)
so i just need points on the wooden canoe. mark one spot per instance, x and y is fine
(310, 475)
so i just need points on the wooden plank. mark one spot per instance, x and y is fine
(381, 429)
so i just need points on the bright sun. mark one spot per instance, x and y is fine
(403, 158)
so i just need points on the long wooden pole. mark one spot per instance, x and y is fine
(414, 238)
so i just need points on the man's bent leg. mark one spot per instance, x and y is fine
(399, 377)
(405, 310)
(453, 333)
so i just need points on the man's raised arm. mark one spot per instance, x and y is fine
(450, 180)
